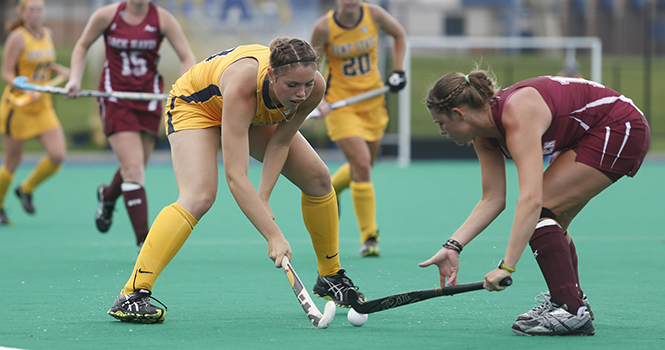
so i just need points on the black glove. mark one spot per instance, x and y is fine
(396, 81)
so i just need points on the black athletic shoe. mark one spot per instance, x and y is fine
(335, 287)
(3, 218)
(26, 200)
(136, 308)
(104, 214)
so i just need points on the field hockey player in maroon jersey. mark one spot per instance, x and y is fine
(133, 31)
(600, 136)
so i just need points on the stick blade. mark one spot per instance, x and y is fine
(328, 315)
(21, 82)
(356, 303)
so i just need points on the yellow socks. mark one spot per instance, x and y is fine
(42, 171)
(5, 180)
(320, 217)
(364, 202)
(342, 178)
(167, 235)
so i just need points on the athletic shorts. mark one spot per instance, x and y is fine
(617, 149)
(346, 122)
(23, 123)
(183, 115)
(117, 118)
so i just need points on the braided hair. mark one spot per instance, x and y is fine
(285, 52)
(454, 89)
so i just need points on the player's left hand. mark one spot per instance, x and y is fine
(396, 81)
(448, 263)
(494, 277)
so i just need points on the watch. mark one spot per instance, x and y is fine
(504, 267)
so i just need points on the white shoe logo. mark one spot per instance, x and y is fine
(149, 28)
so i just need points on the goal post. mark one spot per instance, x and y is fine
(569, 44)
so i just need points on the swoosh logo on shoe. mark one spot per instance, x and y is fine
(141, 271)
(330, 257)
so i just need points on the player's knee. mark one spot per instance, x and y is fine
(546, 213)
(547, 224)
(132, 172)
(318, 182)
(200, 203)
(57, 158)
(362, 173)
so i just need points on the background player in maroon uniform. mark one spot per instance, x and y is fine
(601, 136)
(133, 31)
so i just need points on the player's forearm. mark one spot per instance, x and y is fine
(399, 50)
(482, 215)
(247, 199)
(77, 65)
(273, 163)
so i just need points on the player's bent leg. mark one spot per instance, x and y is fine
(341, 179)
(167, 235)
(305, 169)
(551, 250)
(364, 202)
(569, 185)
(136, 203)
(194, 157)
(54, 143)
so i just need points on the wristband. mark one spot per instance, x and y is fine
(504, 267)
(453, 245)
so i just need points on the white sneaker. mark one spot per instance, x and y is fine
(546, 305)
(557, 321)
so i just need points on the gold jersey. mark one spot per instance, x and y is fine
(34, 62)
(196, 102)
(352, 55)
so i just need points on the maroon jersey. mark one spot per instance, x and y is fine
(132, 55)
(606, 128)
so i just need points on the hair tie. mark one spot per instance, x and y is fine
(296, 61)
(466, 77)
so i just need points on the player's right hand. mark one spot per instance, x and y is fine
(72, 88)
(278, 247)
(324, 109)
(448, 263)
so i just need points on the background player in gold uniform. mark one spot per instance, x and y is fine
(255, 98)
(349, 37)
(29, 52)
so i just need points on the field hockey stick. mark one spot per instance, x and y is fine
(319, 320)
(397, 300)
(22, 83)
(351, 100)
(27, 98)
